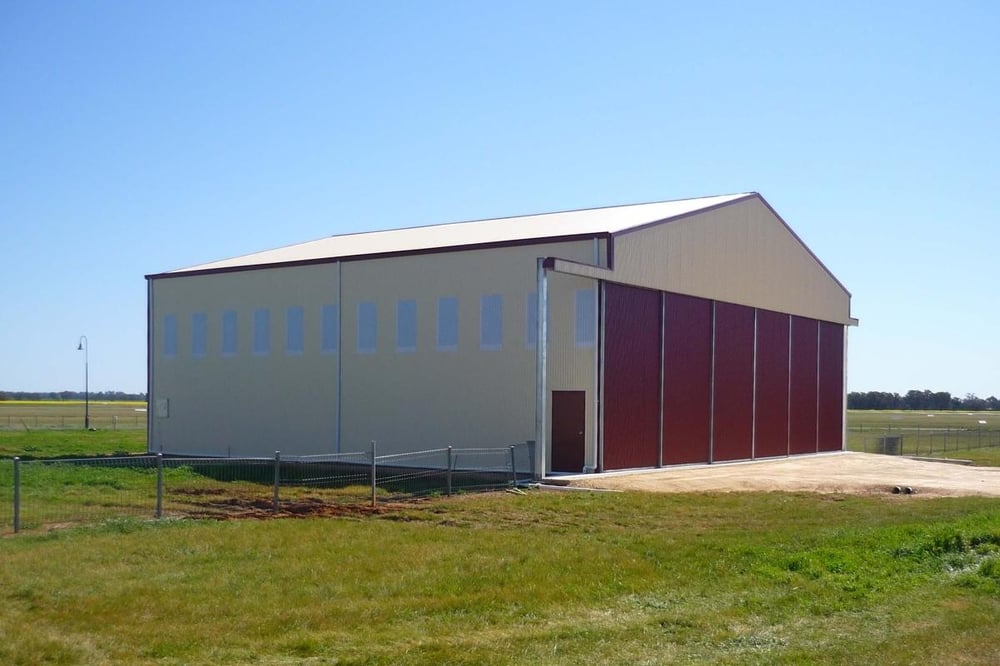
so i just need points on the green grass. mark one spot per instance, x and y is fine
(64, 443)
(560, 578)
(971, 436)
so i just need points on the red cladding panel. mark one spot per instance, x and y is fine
(803, 385)
(771, 419)
(831, 386)
(732, 420)
(687, 368)
(631, 377)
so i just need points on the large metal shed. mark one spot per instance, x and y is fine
(698, 330)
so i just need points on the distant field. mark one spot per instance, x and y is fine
(968, 435)
(53, 414)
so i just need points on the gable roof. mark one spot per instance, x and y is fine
(498, 231)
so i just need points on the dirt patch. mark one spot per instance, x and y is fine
(236, 508)
(843, 473)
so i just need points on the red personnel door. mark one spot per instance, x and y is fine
(569, 420)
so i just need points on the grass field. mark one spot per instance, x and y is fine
(52, 414)
(502, 578)
(546, 577)
(967, 435)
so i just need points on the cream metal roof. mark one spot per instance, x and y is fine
(481, 232)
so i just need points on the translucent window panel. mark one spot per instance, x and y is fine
(585, 318)
(294, 331)
(170, 335)
(447, 323)
(406, 326)
(199, 334)
(330, 325)
(491, 322)
(229, 333)
(261, 332)
(531, 320)
(367, 327)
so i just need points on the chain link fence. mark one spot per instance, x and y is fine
(50, 493)
(136, 421)
(920, 441)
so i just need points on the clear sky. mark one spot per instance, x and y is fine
(139, 137)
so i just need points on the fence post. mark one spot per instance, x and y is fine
(277, 477)
(449, 471)
(159, 485)
(513, 467)
(17, 494)
(374, 471)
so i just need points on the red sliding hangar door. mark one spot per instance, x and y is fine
(690, 380)
(631, 377)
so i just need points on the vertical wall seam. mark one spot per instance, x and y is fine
(753, 391)
(340, 353)
(843, 392)
(599, 362)
(711, 387)
(663, 337)
(819, 354)
(598, 349)
(788, 391)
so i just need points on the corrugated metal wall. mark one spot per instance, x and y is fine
(738, 382)
(831, 386)
(632, 377)
(802, 386)
(771, 405)
(687, 376)
(732, 402)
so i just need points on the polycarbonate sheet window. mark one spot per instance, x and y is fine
(229, 333)
(447, 323)
(585, 318)
(406, 326)
(199, 334)
(367, 328)
(491, 322)
(330, 329)
(261, 332)
(531, 320)
(294, 331)
(170, 335)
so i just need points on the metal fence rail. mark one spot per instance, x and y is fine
(43, 493)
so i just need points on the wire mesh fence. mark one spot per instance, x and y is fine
(45, 421)
(920, 441)
(49, 493)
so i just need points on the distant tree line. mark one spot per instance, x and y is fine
(926, 400)
(97, 396)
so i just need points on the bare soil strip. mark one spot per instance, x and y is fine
(843, 473)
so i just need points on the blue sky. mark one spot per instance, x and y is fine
(140, 137)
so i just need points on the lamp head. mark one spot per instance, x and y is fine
(80, 347)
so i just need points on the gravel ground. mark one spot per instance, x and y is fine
(843, 473)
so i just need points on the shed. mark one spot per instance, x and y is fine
(696, 330)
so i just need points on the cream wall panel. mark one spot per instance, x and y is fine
(245, 404)
(739, 253)
(467, 397)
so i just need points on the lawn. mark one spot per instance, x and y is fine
(545, 577)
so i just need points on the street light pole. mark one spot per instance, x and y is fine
(85, 347)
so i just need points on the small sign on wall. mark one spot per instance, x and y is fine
(162, 408)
